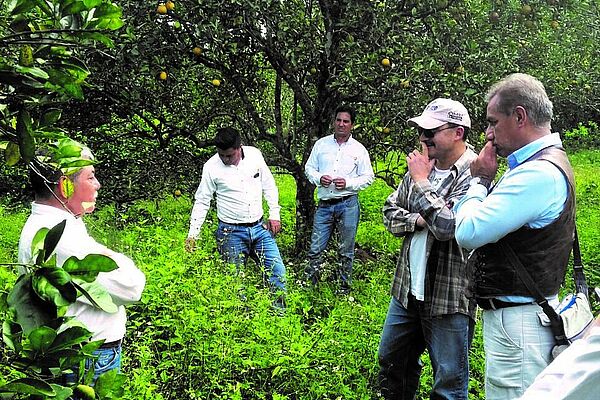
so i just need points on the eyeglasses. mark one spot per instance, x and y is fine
(430, 133)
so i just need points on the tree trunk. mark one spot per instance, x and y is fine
(305, 209)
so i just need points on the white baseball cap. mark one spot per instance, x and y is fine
(442, 111)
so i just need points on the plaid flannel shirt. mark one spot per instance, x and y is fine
(446, 279)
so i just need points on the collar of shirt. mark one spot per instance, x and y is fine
(44, 209)
(521, 155)
(350, 138)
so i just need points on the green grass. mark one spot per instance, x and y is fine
(192, 337)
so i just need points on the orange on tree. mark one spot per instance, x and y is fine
(386, 62)
(526, 9)
(197, 51)
(161, 9)
(85, 392)
(177, 193)
(170, 5)
(162, 76)
(216, 82)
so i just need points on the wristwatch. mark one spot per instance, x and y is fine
(479, 180)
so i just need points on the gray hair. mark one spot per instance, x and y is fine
(525, 91)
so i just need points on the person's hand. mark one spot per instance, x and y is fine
(419, 165)
(486, 163)
(274, 226)
(340, 183)
(421, 222)
(326, 180)
(190, 244)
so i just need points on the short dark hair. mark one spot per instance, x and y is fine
(347, 109)
(44, 179)
(227, 138)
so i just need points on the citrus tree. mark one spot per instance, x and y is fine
(277, 70)
(44, 45)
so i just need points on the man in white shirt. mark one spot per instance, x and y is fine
(54, 204)
(340, 167)
(240, 177)
(574, 374)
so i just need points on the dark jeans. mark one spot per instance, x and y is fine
(236, 243)
(108, 359)
(343, 216)
(406, 334)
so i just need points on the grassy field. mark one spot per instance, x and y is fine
(192, 337)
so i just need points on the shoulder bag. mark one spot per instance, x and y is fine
(574, 313)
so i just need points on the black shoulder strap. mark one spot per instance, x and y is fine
(556, 324)
(581, 285)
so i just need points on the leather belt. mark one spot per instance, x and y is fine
(495, 304)
(111, 345)
(336, 200)
(246, 224)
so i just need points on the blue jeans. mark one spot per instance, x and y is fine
(235, 243)
(108, 359)
(343, 216)
(406, 334)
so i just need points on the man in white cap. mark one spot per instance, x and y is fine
(429, 308)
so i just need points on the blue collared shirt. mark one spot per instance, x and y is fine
(529, 194)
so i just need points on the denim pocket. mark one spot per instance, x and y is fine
(107, 359)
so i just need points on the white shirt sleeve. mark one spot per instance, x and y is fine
(124, 284)
(270, 190)
(311, 169)
(204, 195)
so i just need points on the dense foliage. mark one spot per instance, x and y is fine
(276, 71)
(193, 337)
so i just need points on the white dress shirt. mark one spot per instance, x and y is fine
(573, 375)
(239, 190)
(125, 284)
(349, 160)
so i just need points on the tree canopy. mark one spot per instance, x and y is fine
(277, 70)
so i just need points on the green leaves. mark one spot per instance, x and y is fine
(41, 338)
(12, 154)
(28, 386)
(97, 295)
(25, 140)
(110, 385)
(29, 310)
(88, 268)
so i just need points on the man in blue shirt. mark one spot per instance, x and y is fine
(531, 209)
